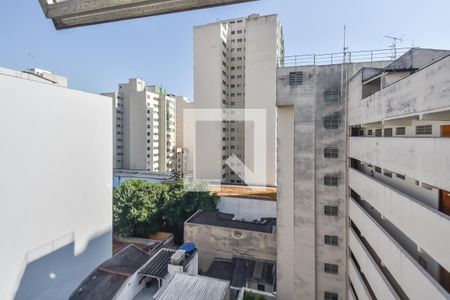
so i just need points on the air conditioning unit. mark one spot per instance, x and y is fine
(178, 257)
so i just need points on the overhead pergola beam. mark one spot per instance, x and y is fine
(75, 13)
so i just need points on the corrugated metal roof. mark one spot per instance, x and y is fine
(187, 287)
(157, 266)
(105, 281)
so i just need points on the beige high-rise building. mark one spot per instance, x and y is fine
(144, 127)
(363, 183)
(183, 154)
(235, 65)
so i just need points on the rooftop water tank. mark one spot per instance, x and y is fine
(188, 248)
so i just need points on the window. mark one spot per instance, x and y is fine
(387, 174)
(377, 132)
(330, 180)
(330, 296)
(331, 240)
(400, 131)
(388, 132)
(261, 287)
(331, 96)
(295, 78)
(378, 170)
(331, 268)
(400, 176)
(332, 122)
(330, 153)
(330, 210)
(424, 129)
(239, 31)
(369, 132)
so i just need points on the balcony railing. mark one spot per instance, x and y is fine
(342, 57)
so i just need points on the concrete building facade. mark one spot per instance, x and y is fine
(218, 235)
(56, 185)
(184, 160)
(398, 178)
(322, 252)
(144, 127)
(235, 65)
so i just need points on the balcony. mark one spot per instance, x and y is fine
(404, 212)
(378, 282)
(358, 283)
(415, 282)
(423, 91)
(421, 158)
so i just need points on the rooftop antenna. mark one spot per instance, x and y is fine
(29, 56)
(394, 43)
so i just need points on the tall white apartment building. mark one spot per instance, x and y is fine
(364, 216)
(55, 182)
(184, 161)
(144, 127)
(235, 65)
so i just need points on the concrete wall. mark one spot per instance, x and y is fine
(403, 97)
(248, 209)
(55, 204)
(262, 46)
(285, 203)
(378, 281)
(309, 196)
(207, 94)
(415, 282)
(221, 242)
(403, 212)
(420, 158)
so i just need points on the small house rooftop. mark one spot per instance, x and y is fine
(227, 220)
(187, 287)
(249, 192)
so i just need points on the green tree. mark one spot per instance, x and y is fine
(141, 208)
(136, 207)
(184, 203)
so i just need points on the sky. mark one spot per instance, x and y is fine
(159, 49)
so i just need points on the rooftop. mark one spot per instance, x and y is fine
(262, 193)
(187, 287)
(157, 266)
(239, 271)
(105, 281)
(226, 220)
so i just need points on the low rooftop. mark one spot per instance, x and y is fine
(238, 191)
(187, 287)
(105, 281)
(239, 271)
(120, 176)
(226, 220)
(157, 266)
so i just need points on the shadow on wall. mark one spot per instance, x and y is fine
(57, 274)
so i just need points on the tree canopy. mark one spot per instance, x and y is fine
(141, 208)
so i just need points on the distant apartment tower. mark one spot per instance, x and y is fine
(235, 65)
(144, 127)
(182, 157)
(323, 249)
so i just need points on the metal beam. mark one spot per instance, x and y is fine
(74, 13)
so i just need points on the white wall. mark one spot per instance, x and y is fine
(55, 183)
(415, 282)
(403, 97)
(248, 209)
(420, 158)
